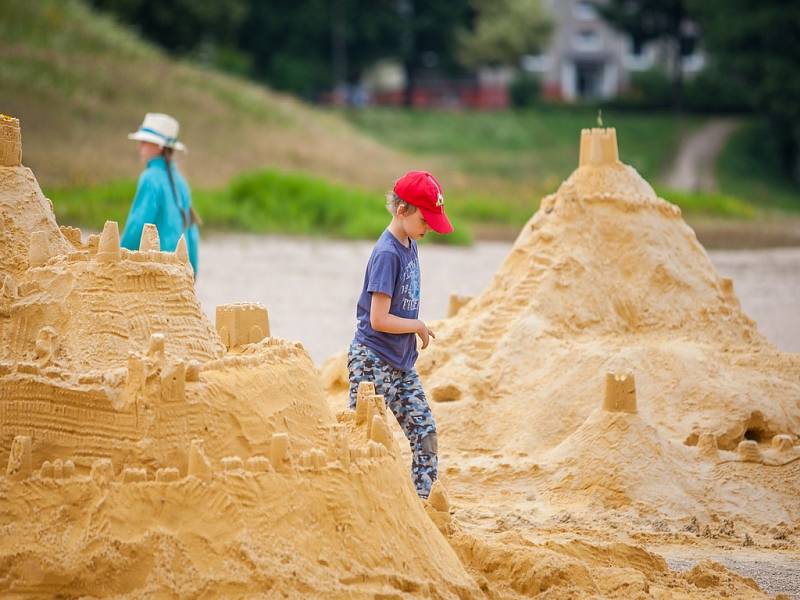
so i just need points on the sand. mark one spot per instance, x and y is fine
(698, 443)
(767, 283)
(150, 452)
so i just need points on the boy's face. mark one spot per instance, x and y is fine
(414, 224)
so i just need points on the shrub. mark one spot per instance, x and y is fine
(525, 90)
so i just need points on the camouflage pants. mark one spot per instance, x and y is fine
(402, 392)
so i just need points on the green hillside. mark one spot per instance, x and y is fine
(79, 82)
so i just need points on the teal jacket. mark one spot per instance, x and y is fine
(155, 203)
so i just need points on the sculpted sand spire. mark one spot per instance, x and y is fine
(149, 240)
(10, 142)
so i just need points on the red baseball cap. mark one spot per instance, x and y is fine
(420, 189)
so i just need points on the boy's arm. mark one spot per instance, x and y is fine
(382, 320)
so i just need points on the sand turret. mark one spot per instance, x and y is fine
(242, 323)
(39, 250)
(182, 252)
(620, 393)
(279, 451)
(108, 248)
(149, 240)
(24, 209)
(19, 459)
(10, 142)
(598, 147)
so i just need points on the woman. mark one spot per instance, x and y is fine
(162, 194)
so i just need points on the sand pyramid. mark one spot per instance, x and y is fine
(606, 276)
(148, 452)
(23, 206)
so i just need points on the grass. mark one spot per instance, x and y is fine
(748, 167)
(710, 204)
(538, 145)
(266, 201)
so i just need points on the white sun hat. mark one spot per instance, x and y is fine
(160, 129)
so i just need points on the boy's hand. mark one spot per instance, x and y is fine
(425, 334)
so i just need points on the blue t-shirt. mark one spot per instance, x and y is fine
(393, 270)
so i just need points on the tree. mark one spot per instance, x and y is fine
(181, 26)
(305, 47)
(504, 32)
(311, 46)
(648, 20)
(427, 35)
(757, 41)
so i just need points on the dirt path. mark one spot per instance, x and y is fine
(693, 169)
(310, 286)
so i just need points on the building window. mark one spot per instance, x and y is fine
(584, 11)
(586, 40)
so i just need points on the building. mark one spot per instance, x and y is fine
(587, 59)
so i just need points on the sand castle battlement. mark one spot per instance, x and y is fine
(598, 147)
(107, 293)
(338, 454)
(10, 142)
(242, 323)
(601, 178)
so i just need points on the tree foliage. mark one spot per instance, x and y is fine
(181, 25)
(504, 31)
(670, 21)
(756, 40)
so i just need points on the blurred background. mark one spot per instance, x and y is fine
(326, 102)
(299, 116)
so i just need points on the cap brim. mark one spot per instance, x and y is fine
(143, 136)
(437, 221)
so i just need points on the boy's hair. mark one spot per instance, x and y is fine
(393, 202)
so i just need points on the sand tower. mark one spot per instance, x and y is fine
(607, 277)
(26, 209)
(124, 417)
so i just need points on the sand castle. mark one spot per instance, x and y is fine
(607, 382)
(192, 458)
(607, 285)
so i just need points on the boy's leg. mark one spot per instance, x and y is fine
(402, 392)
(365, 365)
(411, 409)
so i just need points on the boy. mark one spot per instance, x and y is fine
(384, 348)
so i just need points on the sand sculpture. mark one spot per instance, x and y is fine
(148, 452)
(607, 278)
(606, 388)
(608, 382)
